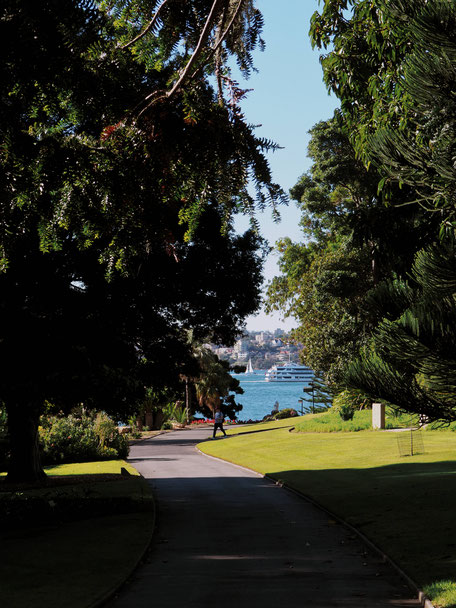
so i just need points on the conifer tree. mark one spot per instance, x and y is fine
(411, 362)
(318, 395)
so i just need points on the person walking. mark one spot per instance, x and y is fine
(218, 422)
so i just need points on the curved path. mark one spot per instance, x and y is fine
(226, 537)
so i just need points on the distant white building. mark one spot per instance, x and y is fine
(261, 338)
(241, 346)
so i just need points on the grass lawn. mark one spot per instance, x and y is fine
(74, 540)
(405, 505)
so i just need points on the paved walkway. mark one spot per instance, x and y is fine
(226, 537)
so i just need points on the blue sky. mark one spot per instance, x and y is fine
(288, 98)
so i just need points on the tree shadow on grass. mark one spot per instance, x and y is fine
(406, 509)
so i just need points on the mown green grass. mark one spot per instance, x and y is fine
(405, 505)
(88, 468)
(91, 468)
(103, 524)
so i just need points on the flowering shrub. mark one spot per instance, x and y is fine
(72, 439)
(197, 421)
(109, 436)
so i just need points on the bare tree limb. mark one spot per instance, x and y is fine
(217, 7)
(217, 52)
(149, 26)
(199, 47)
(225, 33)
(216, 48)
(218, 61)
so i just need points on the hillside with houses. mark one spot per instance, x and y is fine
(264, 348)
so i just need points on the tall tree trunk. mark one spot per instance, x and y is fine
(25, 461)
(188, 399)
(374, 263)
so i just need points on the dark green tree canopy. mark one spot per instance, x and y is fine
(392, 65)
(122, 167)
(363, 68)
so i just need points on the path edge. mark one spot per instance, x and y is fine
(422, 597)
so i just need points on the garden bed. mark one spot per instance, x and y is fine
(55, 536)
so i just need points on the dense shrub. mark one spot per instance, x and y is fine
(74, 439)
(331, 422)
(285, 413)
(109, 436)
(346, 412)
(348, 402)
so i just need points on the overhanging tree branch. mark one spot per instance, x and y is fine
(199, 47)
(216, 48)
(161, 94)
(219, 7)
(149, 26)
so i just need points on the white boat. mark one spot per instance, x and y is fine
(289, 372)
(249, 368)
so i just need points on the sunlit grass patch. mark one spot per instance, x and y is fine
(91, 468)
(88, 468)
(443, 593)
(331, 422)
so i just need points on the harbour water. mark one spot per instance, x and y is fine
(259, 396)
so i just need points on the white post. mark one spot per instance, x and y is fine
(378, 415)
